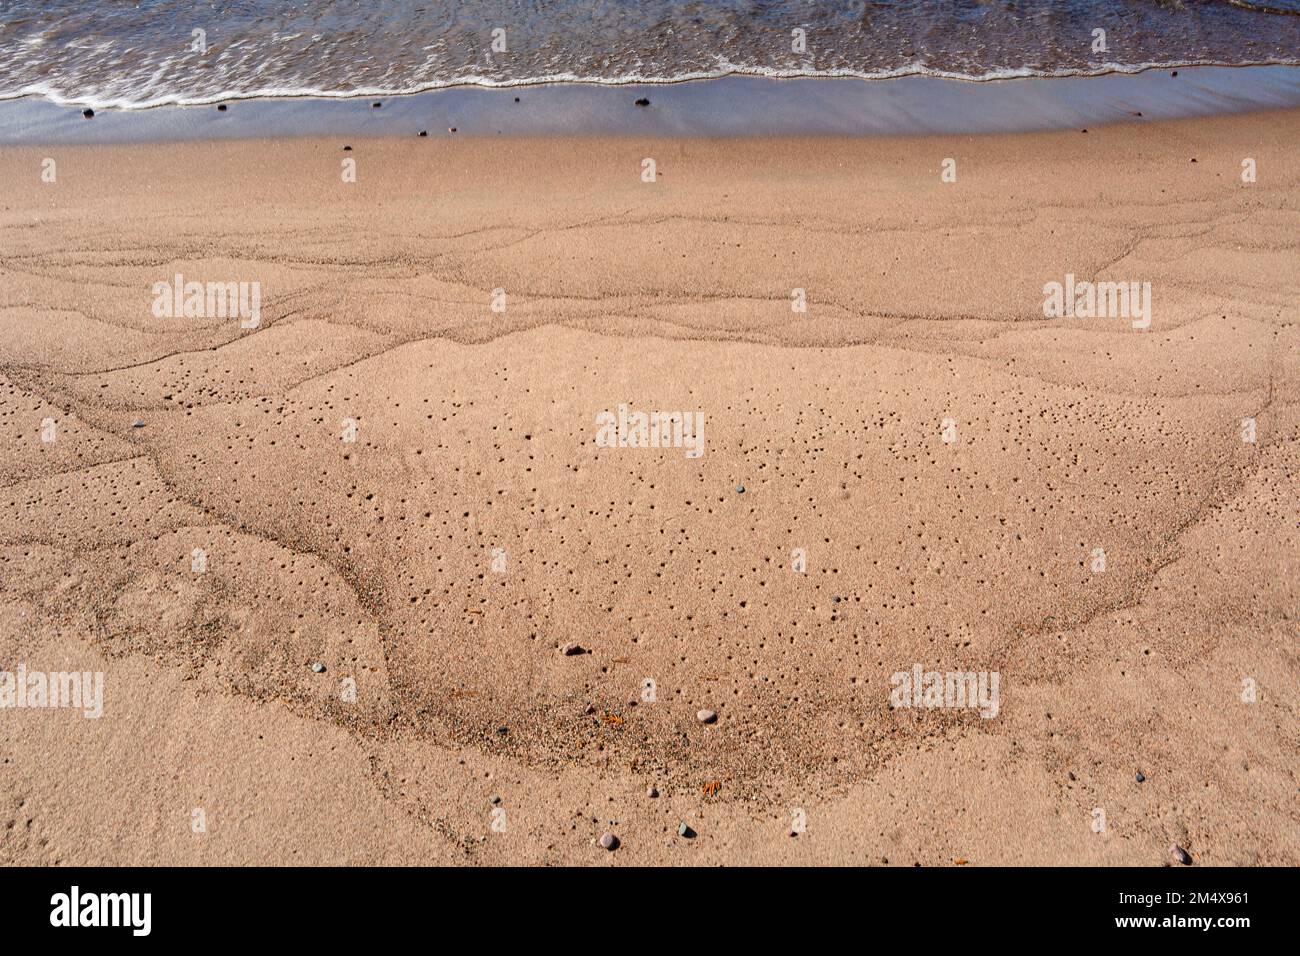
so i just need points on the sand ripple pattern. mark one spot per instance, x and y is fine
(474, 431)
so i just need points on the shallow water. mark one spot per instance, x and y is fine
(132, 55)
(729, 106)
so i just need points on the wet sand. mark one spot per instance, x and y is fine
(745, 106)
(437, 563)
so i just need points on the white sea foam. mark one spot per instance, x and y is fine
(169, 53)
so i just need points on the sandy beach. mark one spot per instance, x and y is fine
(329, 558)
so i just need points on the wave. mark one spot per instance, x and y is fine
(58, 97)
(174, 52)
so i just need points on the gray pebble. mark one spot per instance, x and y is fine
(609, 841)
(1181, 855)
(138, 423)
(1141, 777)
(318, 667)
(706, 716)
(740, 489)
(684, 831)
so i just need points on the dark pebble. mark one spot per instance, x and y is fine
(516, 99)
(684, 831)
(376, 105)
(347, 149)
(88, 113)
(573, 647)
(424, 132)
(643, 102)
(221, 107)
(1141, 777)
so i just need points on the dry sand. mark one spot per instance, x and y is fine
(476, 430)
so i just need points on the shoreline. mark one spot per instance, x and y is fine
(724, 107)
(571, 79)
